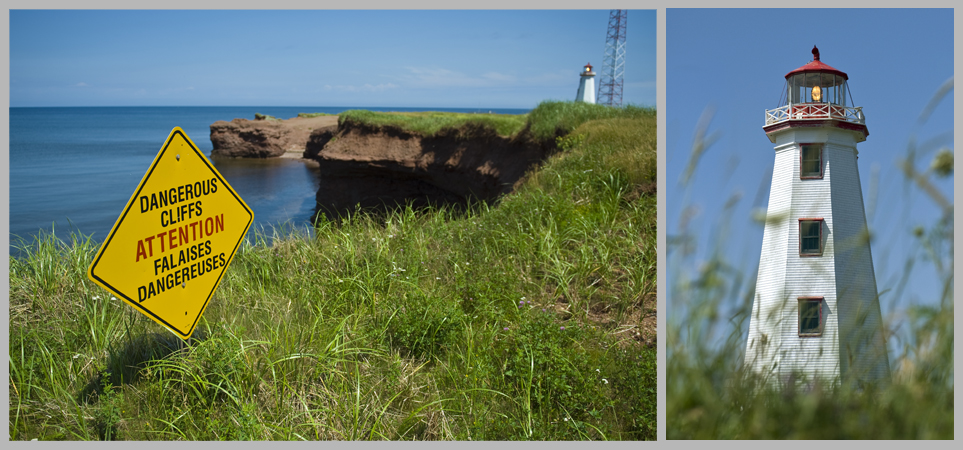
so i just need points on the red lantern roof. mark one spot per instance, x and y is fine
(817, 66)
(589, 65)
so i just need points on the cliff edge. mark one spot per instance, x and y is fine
(382, 166)
(267, 138)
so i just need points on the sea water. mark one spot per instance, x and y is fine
(72, 170)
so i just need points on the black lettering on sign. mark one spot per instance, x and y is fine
(175, 195)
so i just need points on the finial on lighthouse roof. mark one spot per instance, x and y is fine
(817, 66)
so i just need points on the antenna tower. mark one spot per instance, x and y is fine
(613, 62)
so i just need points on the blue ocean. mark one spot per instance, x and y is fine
(72, 170)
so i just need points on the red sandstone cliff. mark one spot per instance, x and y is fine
(380, 167)
(266, 138)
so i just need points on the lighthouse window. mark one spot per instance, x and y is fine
(811, 161)
(810, 237)
(810, 316)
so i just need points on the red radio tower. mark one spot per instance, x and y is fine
(613, 62)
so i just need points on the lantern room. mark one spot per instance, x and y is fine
(816, 94)
(817, 82)
(587, 70)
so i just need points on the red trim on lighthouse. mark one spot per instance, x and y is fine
(819, 328)
(799, 239)
(802, 145)
(818, 123)
(817, 66)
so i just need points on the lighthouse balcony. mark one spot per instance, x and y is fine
(820, 111)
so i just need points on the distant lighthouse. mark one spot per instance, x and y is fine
(816, 314)
(586, 85)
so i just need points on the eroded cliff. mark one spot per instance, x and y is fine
(267, 138)
(381, 167)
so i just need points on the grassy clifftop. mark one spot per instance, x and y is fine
(532, 319)
(430, 122)
(547, 121)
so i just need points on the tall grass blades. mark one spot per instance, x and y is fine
(532, 318)
(430, 123)
(711, 394)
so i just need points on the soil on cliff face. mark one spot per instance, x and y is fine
(382, 167)
(379, 168)
(267, 138)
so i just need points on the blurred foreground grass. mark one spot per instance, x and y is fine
(709, 395)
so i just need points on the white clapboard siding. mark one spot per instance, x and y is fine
(851, 342)
(862, 349)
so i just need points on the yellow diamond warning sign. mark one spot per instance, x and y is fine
(171, 244)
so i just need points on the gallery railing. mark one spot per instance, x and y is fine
(801, 111)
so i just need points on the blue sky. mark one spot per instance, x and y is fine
(734, 62)
(469, 59)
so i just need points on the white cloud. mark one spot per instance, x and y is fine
(438, 77)
(381, 87)
(175, 90)
(554, 78)
(499, 77)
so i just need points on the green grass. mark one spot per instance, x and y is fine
(550, 119)
(310, 115)
(521, 320)
(430, 123)
(554, 118)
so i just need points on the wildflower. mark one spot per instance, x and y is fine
(606, 381)
(506, 328)
(563, 328)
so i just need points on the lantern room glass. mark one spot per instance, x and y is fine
(832, 88)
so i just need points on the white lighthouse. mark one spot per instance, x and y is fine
(586, 85)
(816, 310)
